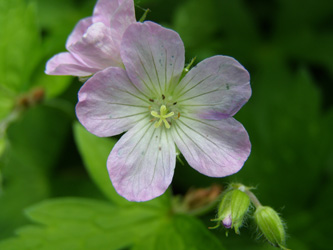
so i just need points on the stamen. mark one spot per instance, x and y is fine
(177, 117)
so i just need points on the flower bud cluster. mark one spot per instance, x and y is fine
(235, 207)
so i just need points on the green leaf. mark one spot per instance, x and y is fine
(19, 44)
(182, 233)
(19, 50)
(2, 148)
(6, 104)
(53, 85)
(35, 142)
(94, 152)
(21, 61)
(73, 223)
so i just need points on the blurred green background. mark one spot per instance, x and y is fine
(287, 46)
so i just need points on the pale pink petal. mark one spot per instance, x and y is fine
(65, 64)
(121, 19)
(216, 88)
(214, 148)
(109, 104)
(96, 48)
(153, 56)
(104, 10)
(79, 30)
(141, 164)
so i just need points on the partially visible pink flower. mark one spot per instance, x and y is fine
(94, 44)
(162, 111)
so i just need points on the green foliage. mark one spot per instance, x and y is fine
(19, 36)
(181, 233)
(72, 223)
(6, 103)
(94, 152)
(21, 53)
(27, 161)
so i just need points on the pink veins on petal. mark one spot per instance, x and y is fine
(162, 111)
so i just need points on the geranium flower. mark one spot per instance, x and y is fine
(162, 111)
(94, 44)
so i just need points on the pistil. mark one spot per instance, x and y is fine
(162, 116)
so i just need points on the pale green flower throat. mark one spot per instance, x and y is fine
(162, 116)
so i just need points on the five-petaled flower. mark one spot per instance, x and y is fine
(160, 111)
(94, 44)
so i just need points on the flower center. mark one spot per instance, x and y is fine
(162, 116)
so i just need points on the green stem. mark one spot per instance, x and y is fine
(144, 16)
(9, 119)
(253, 198)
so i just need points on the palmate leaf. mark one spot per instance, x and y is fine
(84, 224)
(74, 223)
(181, 233)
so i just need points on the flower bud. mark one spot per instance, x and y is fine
(270, 225)
(233, 207)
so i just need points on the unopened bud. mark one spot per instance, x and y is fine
(227, 221)
(233, 207)
(271, 226)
